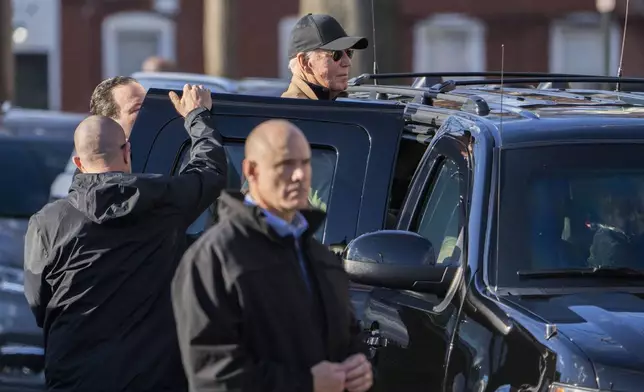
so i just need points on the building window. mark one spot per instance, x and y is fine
(449, 42)
(284, 28)
(31, 80)
(577, 46)
(131, 37)
(36, 48)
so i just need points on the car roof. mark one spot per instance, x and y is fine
(18, 113)
(520, 115)
(531, 115)
(8, 136)
(38, 123)
(176, 80)
(262, 86)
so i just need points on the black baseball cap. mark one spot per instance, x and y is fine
(321, 32)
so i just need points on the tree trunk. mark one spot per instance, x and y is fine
(6, 51)
(219, 38)
(356, 18)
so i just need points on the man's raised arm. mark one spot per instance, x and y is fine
(202, 179)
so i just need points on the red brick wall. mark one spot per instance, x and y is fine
(81, 56)
(190, 36)
(526, 48)
(81, 59)
(521, 25)
(257, 42)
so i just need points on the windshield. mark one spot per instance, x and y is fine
(570, 207)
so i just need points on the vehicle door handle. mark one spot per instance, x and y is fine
(375, 339)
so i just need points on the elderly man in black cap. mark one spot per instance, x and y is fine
(320, 53)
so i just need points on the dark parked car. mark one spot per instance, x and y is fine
(31, 154)
(493, 234)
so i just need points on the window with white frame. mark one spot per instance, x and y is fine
(131, 37)
(36, 47)
(449, 42)
(577, 46)
(284, 28)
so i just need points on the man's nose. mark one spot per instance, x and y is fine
(298, 174)
(345, 61)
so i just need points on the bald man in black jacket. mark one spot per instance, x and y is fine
(99, 263)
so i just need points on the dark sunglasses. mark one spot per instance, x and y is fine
(337, 54)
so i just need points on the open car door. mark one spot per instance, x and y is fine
(354, 147)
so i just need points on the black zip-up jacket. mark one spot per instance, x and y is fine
(98, 269)
(245, 317)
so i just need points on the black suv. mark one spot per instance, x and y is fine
(494, 231)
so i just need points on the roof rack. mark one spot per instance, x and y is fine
(477, 104)
(472, 104)
(358, 80)
(568, 79)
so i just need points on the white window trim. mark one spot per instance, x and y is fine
(54, 76)
(557, 47)
(476, 47)
(284, 27)
(134, 21)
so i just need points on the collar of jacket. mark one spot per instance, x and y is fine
(232, 206)
(106, 196)
(307, 89)
(296, 228)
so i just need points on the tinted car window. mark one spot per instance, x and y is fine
(323, 163)
(440, 216)
(567, 207)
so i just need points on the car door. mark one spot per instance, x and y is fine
(354, 146)
(411, 332)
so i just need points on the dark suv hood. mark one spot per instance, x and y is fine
(607, 327)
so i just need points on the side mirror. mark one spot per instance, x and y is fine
(396, 259)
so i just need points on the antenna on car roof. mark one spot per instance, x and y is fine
(620, 69)
(498, 195)
(373, 27)
(502, 91)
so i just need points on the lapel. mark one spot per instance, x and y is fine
(298, 88)
(303, 87)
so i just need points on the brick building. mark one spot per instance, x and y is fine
(82, 41)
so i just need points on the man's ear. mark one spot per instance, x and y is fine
(248, 169)
(78, 163)
(127, 153)
(303, 62)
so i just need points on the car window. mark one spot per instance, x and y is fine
(440, 217)
(323, 162)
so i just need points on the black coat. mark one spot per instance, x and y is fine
(98, 268)
(245, 317)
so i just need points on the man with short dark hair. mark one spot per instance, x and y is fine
(99, 263)
(260, 304)
(119, 98)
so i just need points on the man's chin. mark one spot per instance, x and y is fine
(340, 86)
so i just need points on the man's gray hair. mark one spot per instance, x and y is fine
(293, 65)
